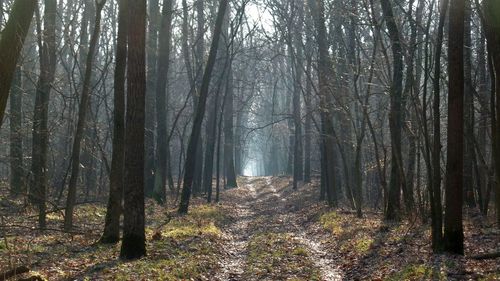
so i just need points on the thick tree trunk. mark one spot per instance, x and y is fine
(453, 229)
(392, 211)
(491, 10)
(80, 127)
(111, 232)
(134, 237)
(325, 72)
(11, 44)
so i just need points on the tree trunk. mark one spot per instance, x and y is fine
(111, 232)
(151, 102)
(325, 72)
(163, 63)
(492, 26)
(453, 241)
(16, 136)
(11, 44)
(40, 128)
(396, 182)
(469, 147)
(82, 115)
(435, 188)
(134, 237)
(200, 112)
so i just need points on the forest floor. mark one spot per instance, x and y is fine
(263, 230)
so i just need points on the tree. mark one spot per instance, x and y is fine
(82, 116)
(396, 182)
(435, 173)
(16, 138)
(453, 240)
(161, 102)
(111, 233)
(47, 49)
(11, 44)
(200, 111)
(491, 11)
(134, 237)
(325, 72)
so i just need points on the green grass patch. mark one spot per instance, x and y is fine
(201, 221)
(416, 272)
(332, 222)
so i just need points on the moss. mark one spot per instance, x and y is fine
(331, 221)
(416, 272)
(3, 246)
(300, 251)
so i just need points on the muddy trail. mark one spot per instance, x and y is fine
(272, 236)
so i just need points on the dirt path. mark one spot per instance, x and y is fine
(268, 205)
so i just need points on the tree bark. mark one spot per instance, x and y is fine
(11, 44)
(453, 241)
(111, 232)
(392, 211)
(492, 27)
(325, 72)
(134, 237)
(16, 137)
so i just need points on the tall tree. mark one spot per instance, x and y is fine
(151, 103)
(453, 229)
(396, 182)
(200, 111)
(11, 44)
(491, 10)
(47, 49)
(82, 117)
(16, 136)
(134, 237)
(435, 173)
(325, 74)
(298, 170)
(111, 233)
(161, 102)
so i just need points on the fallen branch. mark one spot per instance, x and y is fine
(487, 256)
(13, 272)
